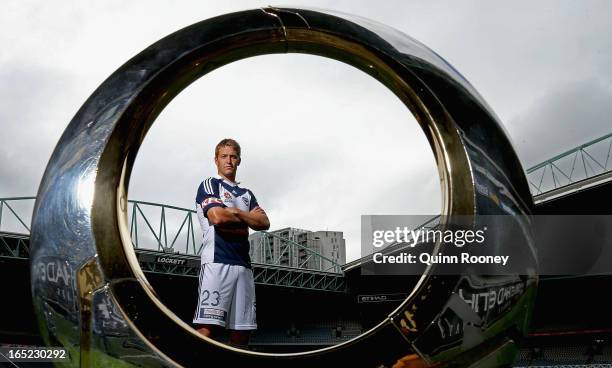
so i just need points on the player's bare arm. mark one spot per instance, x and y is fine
(226, 222)
(223, 217)
(256, 219)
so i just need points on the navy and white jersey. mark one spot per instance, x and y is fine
(228, 249)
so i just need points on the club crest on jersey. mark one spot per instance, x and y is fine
(228, 197)
(245, 200)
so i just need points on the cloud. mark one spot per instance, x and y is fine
(32, 117)
(565, 117)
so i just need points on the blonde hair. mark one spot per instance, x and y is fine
(227, 142)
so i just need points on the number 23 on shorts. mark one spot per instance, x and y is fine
(214, 298)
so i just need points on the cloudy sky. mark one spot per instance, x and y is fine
(322, 143)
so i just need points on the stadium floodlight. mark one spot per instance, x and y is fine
(80, 219)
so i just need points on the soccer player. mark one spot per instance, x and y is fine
(226, 293)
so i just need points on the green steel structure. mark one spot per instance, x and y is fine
(585, 161)
(14, 231)
(162, 250)
(149, 234)
(14, 245)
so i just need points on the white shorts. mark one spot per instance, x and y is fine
(226, 297)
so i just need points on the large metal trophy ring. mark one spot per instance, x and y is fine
(80, 220)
